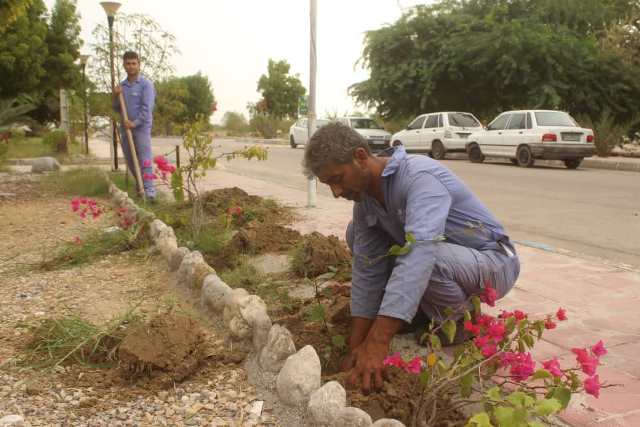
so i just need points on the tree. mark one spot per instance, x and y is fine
(23, 51)
(140, 33)
(235, 122)
(199, 100)
(487, 56)
(11, 10)
(281, 92)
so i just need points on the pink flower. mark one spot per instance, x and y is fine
(146, 163)
(474, 329)
(553, 366)
(598, 350)
(592, 386)
(481, 341)
(521, 365)
(414, 366)
(561, 314)
(485, 320)
(489, 295)
(75, 204)
(149, 176)
(587, 363)
(235, 210)
(160, 160)
(489, 350)
(549, 324)
(394, 360)
(496, 331)
(520, 315)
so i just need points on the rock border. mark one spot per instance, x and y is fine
(295, 376)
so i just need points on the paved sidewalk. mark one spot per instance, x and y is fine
(602, 302)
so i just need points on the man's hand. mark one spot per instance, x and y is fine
(368, 365)
(117, 90)
(129, 124)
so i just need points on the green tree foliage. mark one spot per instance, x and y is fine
(10, 10)
(281, 92)
(23, 51)
(235, 122)
(487, 56)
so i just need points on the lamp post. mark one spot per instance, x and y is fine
(83, 63)
(111, 7)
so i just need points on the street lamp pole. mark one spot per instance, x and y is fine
(83, 62)
(111, 7)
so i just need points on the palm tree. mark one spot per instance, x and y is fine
(13, 112)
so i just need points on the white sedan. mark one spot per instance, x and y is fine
(525, 135)
(299, 132)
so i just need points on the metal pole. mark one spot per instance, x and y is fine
(113, 85)
(178, 156)
(84, 98)
(311, 122)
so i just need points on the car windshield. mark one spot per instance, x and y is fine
(464, 120)
(365, 124)
(555, 118)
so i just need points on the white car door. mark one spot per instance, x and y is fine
(430, 131)
(514, 134)
(411, 136)
(300, 132)
(491, 142)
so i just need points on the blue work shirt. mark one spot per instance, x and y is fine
(139, 96)
(424, 198)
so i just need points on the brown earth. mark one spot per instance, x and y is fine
(318, 253)
(253, 208)
(260, 238)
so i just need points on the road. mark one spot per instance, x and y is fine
(587, 211)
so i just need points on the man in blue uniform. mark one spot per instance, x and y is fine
(139, 95)
(459, 245)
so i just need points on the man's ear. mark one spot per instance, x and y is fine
(360, 155)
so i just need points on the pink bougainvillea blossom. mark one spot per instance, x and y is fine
(496, 331)
(592, 386)
(519, 315)
(588, 363)
(521, 365)
(598, 350)
(234, 211)
(84, 206)
(561, 314)
(489, 349)
(469, 326)
(414, 366)
(549, 324)
(553, 366)
(489, 295)
(394, 360)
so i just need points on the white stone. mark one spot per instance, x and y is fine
(214, 291)
(156, 227)
(12, 420)
(353, 417)
(325, 404)
(279, 347)
(193, 269)
(176, 256)
(387, 422)
(254, 311)
(299, 377)
(167, 245)
(231, 315)
(44, 164)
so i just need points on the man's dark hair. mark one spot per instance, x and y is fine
(130, 55)
(333, 143)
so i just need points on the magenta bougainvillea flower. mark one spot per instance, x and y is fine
(553, 366)
(592, 386)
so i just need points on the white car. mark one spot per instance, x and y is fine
(525, 135)
(438, 133)
(299, 132)
(376, 136)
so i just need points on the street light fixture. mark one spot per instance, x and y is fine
(83, 63)
(110, 8)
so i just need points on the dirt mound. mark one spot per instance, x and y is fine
(172, 344)
(261, 238)
(217, 201)
(251, 208)
(317, 253)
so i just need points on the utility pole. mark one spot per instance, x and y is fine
(311, 121)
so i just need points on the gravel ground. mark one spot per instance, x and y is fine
(34, 223)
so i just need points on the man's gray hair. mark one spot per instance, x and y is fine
(333, 143)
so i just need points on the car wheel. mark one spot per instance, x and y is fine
(514, 161)
(524, 157)
(475, 154)
(572, 163)
(437, 150)
(292, 142)
(396, 143)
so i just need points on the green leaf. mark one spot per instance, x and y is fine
(519, 398)
(480, 420)
(435, 342)
(396, 250)
(339, 341)
(475, 300)
(541, 374)
(410, 238)
(494, 394)
(448, 312)
(562, 395)
(442, 368)
(449, 328)
(528, 339)
(538, 325)
(317, 313)
(509, 325)
(505, 416)
(547, 407)
(465, 384)
(425, 377)
(467, 315)
(535, 423)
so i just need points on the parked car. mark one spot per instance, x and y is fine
(299, 132)
(438, 133)
(525, 135)
(372, 131)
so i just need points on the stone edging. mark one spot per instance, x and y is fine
(272, 350)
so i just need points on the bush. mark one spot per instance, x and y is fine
(235, 123)
(58, 140)
(608, 132)
(269, 127)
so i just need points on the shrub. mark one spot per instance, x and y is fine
(608, 132)
(58, 140)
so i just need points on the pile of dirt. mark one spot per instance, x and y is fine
(260, 238)
(171, 344)
(318, 252)
(249, 208)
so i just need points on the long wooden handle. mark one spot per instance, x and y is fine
(132, 147)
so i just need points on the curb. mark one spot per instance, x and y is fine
(273, 141)
(294, 377)
(591, 163)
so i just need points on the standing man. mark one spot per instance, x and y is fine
(459, 245)
(139, 95)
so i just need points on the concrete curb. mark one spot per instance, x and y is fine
(620, 163)
(295, 376)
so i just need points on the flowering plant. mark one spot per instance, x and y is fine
(496, 369)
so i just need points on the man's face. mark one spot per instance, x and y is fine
(348, 180)
(132, 67)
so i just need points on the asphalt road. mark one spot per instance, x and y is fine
(587, 211)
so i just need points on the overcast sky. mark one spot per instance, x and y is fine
(231, 41)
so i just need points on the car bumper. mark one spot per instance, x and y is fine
(376, 145)
(453, 145)
(553, 151)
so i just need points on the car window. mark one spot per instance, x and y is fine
(529, 122)
(518, 121)
(440, 120)
(432, 121)
(417, 123)
(364, 123)
(554, 118)
(500, 123)
(464, 120)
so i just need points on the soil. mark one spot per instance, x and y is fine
(173, 344)
(260, 238)
(319, 253)
(253, 208)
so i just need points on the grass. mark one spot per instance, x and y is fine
(88, 182)
(72, 339)
(27, 147)
(243, 276)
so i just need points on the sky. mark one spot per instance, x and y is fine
(231, 42)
